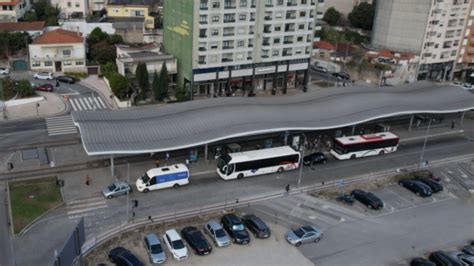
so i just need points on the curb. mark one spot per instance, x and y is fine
(63, 112)
(33, 223)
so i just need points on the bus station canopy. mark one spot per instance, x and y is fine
(199, 122)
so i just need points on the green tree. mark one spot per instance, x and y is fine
(30, 16)
(96, 36)
(362, 16)
(115, 39)
(156, 86)
(120, 85)
(108, 69)
(102, 52)
(163, 83)
(181, 94)
(141, 76)
(332, 16)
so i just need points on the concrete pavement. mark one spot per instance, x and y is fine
(52, 105)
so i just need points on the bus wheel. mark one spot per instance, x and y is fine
(353, 156)
(176, 186)
(280, 170)
(146, 190)
(240, 176)
(382, 152)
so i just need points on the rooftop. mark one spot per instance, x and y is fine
(22, 26)
(134, 2)
(59, 36)
(190, 124)
(324, 45)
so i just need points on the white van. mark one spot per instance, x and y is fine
(163, 177)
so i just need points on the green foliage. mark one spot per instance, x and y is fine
(12, 42)
(332, 16)
(20, 89)
(333, 36)
(102, 52)
(115, 39)
(96, 36)
(163, 83)
(30, 16)
(182, 95)
(108, 69)
(43, 11)
(120, 85)
(141, 76)
(155, 86)
(362, 16)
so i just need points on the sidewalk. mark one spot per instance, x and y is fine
(52, 105)
(98, 85)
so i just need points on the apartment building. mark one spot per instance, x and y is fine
(72, 8)
(13, 10)
(226, 45)
(430, 28)
(133, 9)
(97, 5)
(465, 62)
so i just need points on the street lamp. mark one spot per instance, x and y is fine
(424, 144)
(128, 191)
(301, 160)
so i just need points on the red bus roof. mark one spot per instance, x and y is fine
(357, 139)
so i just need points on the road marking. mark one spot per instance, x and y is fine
(411, 207)
(60, 125)
(73, 105)
(103, 104)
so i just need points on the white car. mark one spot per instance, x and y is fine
(4, 71)
(176, 245)
(44, 75)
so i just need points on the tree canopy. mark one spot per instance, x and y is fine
(12, 42)
(102, 46)
(332, 16)
(141, 76)
(362, 16)
(43, 10)
(163, 83)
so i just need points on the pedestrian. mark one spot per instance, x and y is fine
(57, 83)
(157, 162)
(452, 124)
(287, 188)
(88, 180)
(152, 154)
(167, 156)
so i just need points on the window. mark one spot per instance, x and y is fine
(203, 19)
(66, 53)
(36, 64)
(67, 63)
(243, 3)
(214, 32)
(77, 4)
(242, 17)
(240, 43)
(215, 18)
(215, 5)
(79, 63)
(69, 4)
(48, 63)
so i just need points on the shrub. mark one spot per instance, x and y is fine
(119, 85)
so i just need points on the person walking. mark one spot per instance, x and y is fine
(157, 163)
(287, 189)
(88, 180)
(167, 156)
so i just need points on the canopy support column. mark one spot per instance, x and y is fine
(112, 170)
(462, 118)
(206, 147)
(353, 130)
(411, 122)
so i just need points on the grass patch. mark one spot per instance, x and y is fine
(29, 199)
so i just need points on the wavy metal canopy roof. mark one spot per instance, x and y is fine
(190, 124)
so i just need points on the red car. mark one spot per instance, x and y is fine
(44, 87)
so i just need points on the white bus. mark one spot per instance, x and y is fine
(163, 177)
(250, 163)
(364, 145)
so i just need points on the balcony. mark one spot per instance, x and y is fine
(226, 60)
(202, 36)
(291, 4)
(265, 56)
(226, 34)
(266, 44)
(203, 7)
(202, 62)
(227, 47)
(229, 21)
(202, 49)
(268, 18)
(229, 7)
(290, 16)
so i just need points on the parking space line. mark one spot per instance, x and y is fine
(419, 205)
(411, 203)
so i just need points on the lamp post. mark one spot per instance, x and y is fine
(128, 191)
(301, 161)
(424, 144)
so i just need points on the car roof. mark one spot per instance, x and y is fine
(173, 234)
(309, 228)
(232, 218)
(258, 222)
(214, 224)
(120, 183)
(152, 239)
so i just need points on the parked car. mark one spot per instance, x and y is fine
(319, 69)
(217, 233)
(235, 228)
(441, 258)
(257, 226)
(435, 186)
(176, 245)
(4, 71)
(304, 234)
(44, 87)
(345, 198)
(196, 240)
(116, 189)
(341, 75)
(315, 158)
(468, 250)
(123, 256)
(462, 257)
(416, 187)
(435, 178)
(154, 249)
(66, 79)
(44, 75)
(367, 198)
(421, 262)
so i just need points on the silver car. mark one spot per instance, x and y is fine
(154, 249)
(116, 189)
(217, 233)
(462, 257)
(304, 234)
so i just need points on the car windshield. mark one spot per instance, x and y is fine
(177, 244)
(145, 178)
(112, 187)
(298, 232)
(220, 233)
(238, 227)
(156, 249)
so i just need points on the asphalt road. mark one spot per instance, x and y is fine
(5, 243)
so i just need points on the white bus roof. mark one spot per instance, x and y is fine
(366, 138)
(261, 154)
(175, 168)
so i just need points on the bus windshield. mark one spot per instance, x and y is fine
(145, 178)
(339, 148)
(222, 163)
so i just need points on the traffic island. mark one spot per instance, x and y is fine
(30, 199)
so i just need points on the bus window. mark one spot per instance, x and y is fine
(230, 169)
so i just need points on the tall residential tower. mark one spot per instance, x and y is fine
(226, 45)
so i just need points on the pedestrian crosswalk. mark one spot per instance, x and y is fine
(60, 125)
(87, 103)
(85, 207)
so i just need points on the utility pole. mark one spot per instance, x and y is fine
(128, 191)
(301, 161)
(424, 144)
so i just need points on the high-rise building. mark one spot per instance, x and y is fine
(465, 63)
(431, 29)
(226, 45)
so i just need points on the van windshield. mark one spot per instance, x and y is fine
(145, 178)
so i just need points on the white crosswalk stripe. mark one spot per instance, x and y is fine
(85, 207)
(87, 103)
(60, 125)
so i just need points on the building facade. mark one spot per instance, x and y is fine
(344, 6)
(13, 10)
(431, 29)
(465, 61)
(133, 9)
(72, 8)
(58, 51)
(226, 45)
